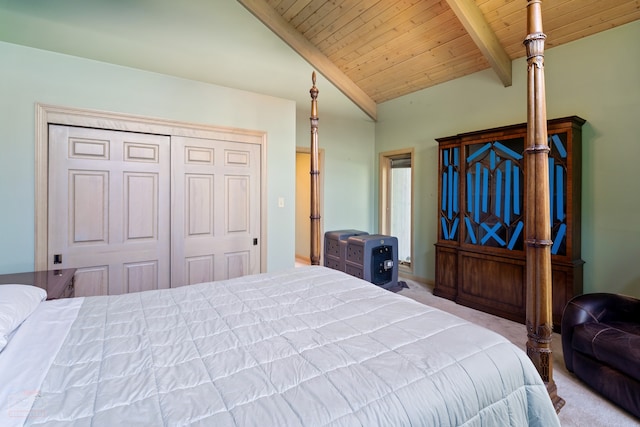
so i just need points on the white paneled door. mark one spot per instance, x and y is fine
(135, 211)
(109, 209)
(216, 213)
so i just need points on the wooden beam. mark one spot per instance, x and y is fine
(276, 23)
(473, 21)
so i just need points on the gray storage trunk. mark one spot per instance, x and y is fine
(335, 247)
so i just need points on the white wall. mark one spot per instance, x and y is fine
(596, 78)
(29, 76)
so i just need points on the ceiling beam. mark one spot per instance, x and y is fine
(276, 23)
(473, 21)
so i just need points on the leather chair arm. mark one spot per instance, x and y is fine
(596, 307)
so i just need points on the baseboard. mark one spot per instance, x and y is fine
(303, 259)
(421, 280)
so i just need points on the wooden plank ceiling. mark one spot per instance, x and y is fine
(378, 50)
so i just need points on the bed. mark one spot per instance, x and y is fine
(308, 346)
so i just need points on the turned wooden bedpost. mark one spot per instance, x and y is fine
(315, 173)
(538, 242)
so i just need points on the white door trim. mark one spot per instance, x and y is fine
(46, 114)
(384, 197)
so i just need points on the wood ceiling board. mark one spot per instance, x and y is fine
(373, 23)
(390, 38)
(330, 24)
(290, 8)
(341, 33)
(415, 75)
(429, 30)
(461, 68)
(410, 46)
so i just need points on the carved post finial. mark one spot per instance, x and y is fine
(314, 99)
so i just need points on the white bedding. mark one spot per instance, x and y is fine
(25, 362)
(306, 347)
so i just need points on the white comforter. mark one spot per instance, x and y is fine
(305, 347)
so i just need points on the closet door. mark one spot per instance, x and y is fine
(216, 209)
(109, 209)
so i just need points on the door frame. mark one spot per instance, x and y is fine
(384, 197)
(52, 114)
(307, 150)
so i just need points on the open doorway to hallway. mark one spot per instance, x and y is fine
(303, 205)
(396, 202)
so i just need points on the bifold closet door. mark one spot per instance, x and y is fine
(216, 209)
(109, 209)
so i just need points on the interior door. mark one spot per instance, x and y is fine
(109, 209)
(216, 209)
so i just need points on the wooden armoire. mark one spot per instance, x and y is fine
(480, 258)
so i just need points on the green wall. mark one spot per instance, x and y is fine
(349, 171)
(596, 78)
(29, 76)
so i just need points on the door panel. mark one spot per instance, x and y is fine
(109, 208)
(238, 264)
(199, 269)
(140, 276)
(237, 200)
(199, 202)
(216, 216)
(90, 281)
(88, 221)
(141, 206)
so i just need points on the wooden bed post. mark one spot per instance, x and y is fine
(315, 173)
(538, 223)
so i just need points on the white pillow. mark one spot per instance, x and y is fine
(17, 302)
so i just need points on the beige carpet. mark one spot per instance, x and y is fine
(583, 407)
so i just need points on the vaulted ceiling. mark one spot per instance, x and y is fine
(378, 50)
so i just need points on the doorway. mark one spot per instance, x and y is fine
(303, 205)
(396, 202)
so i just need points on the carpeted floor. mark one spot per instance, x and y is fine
(583, 407)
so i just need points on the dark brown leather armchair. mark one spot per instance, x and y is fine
(601, 345)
